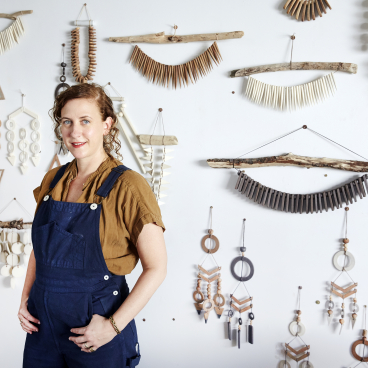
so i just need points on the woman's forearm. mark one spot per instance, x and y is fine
(145, 287)
(30, 277)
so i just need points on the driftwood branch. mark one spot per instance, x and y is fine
(14, 15)
(158, 140)
(306, 65)
(288, 160)
(15, 224)
(162, 38)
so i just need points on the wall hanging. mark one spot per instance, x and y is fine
(297, 329)
(343, 292)
(122, 114)
(363, 341)
(23, 143)
(62, 86)
(15, 241)
(11, 35)
(297, 203)
(307, 9)
(239, 305)
(218, 301)
(157, 170)
(91, 51)
(177, 75)
(2, 96)
(56, 160)
(296, 97)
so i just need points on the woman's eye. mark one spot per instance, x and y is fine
(66, 122)
(85, 121)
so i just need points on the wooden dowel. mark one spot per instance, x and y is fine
(162, 38)
(14, 15)
(289, 160)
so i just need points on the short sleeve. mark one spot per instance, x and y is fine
(140, 206)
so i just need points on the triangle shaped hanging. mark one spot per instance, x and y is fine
(54, 160)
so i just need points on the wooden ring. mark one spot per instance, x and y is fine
(211, 307)
(356, 343)
(242, 259)
(214, 238)
(195, 296)
(219, 296)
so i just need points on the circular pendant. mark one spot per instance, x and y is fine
(35, 136)
(350, 264)
(35, 148)
(10, 147)
(59, 87)
(23, 157)
(18, 271)
(284, 364)
(200, 300)
(35, 124)
(10, 136)
(10, 124)
(207, 309)
(22, 133)
(26, 237)
(219, 304)
(209, 250)
(12, 259)
(28, 249)
(3, 256)
(6, 270)
(12, 237)
(363, 341)
(242, 259)
(17, 248)
(294, 325)
(23, 144)
(306, 364)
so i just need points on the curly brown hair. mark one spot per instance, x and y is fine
(94, 92)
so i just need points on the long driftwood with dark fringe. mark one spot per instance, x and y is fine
(177, 75)
(301, 203)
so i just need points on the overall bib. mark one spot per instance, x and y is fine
(73, 283)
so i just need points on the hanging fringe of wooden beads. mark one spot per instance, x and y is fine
(91, 54)
(178, 75)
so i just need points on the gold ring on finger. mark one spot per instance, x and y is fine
(85, 345)
(91, 350)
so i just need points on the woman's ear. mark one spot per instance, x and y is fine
(107, 125)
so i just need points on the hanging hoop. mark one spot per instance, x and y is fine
(208, 250)
(242, 259)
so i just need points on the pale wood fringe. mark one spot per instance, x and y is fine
(10, 36)
(178, 75)
(291, 98)
(306, 9)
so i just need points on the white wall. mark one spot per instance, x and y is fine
(287, 249)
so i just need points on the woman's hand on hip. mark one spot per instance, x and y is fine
(98, 333)
(26, 318)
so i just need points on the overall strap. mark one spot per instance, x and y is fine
(108, 184)
(58, 175)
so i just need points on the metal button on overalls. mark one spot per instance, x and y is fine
(73, 283)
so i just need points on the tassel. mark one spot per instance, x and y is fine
(250, 333)
(229, 329)
(239, 329)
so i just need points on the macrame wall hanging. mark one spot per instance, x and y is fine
(237, 304)
(23, 143)
(297, 203)
(297, 329)
(363, 341)
(349, 290)
(176, 75)
(157, 169)
(11, 35)
(306, 9)
(62, 86)
(15, 243)
(91, 51)
(122, 115)
(218, 300)
(296, 97)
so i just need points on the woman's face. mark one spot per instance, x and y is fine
(82, 127)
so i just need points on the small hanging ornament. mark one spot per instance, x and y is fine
(91, 52)
(349, 290)
(363, 341)
(297, 329)
(240, 305)
(218, 300)
(62, 86)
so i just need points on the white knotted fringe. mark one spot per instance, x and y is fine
(10, 36)
(291, 98)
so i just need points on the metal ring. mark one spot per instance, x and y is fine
(214, 238)
(356, 356)
(85, 345)
(195, 296)
(91, 349)
(222, 301)
(242, 259)
(62, 79)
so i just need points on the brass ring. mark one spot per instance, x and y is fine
(85, 345)
(91, 350)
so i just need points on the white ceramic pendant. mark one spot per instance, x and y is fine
(28, 249)
(17, 248)
(12, 259)
(6, 270)
(18, 271)
(12, 237)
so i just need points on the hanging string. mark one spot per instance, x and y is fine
(160, 118)
(211, 208)
(292, 46)
(80, 13)
(299, 297)
(210, 253)
(4, 208)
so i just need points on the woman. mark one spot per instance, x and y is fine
(94, 219)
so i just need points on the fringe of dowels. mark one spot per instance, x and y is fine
(291, 98)
(306, 9)
(177, 75)
(10, 36)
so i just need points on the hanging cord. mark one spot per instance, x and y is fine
(292, 46)
(210, 253)
(80, 13)
(62, 52)
(4, 208)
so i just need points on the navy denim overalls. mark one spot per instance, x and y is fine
(73, 283)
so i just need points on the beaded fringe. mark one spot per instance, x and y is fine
(291, 98)
(176, 74)
(10, 36)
